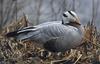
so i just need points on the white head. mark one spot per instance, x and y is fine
(70, 16)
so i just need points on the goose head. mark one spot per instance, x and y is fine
(70, 17)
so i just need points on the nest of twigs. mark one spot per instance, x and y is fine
(27, 52)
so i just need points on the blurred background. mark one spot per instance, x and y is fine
(39, 11)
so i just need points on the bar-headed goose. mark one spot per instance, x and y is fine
(57, 36)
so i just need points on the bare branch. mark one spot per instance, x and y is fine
(38, 11)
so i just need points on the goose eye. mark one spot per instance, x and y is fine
(65, 15)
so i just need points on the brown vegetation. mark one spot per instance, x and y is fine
(14, 52)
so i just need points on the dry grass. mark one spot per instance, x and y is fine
(13, 52)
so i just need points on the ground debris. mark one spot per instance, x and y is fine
(27, 52)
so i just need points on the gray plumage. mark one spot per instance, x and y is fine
(54, 36)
